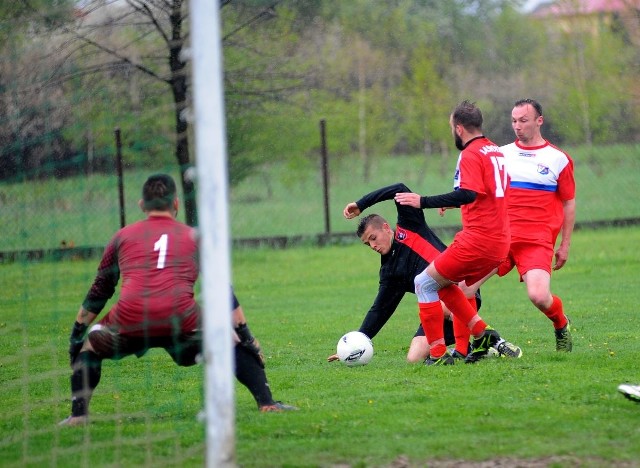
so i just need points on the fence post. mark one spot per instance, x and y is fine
(120, 181)
(325, 175)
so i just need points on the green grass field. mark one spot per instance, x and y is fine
(545, 409)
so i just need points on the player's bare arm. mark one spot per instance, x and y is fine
(562, 252)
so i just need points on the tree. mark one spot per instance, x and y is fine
(31, 139)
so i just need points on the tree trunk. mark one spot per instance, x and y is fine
(178, 84)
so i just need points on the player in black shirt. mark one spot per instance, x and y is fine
(404, 254)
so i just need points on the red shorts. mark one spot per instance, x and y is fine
(459, 262)
(526, 256)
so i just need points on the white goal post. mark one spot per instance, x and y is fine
(211, 166)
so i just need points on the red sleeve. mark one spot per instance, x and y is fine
(567, 183)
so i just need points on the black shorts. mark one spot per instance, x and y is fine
(108, 343)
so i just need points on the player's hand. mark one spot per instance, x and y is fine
(351, 210)
(562, 254)
(76, 340)
(333, 357)
(409, 199)
(443, 209)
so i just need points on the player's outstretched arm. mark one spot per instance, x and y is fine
(408, 199)
(351, 210)
(455, 198)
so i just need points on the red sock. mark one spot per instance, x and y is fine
(431, 317)
(462, 335)
(462, 332)
(556, 313)
(460, 307)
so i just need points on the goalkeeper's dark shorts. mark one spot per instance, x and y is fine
(109, 343)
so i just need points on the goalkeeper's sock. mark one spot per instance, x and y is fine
(555, 313)
(85, 378)
(251, 375)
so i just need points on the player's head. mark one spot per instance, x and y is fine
(466, 117)
(159, 194)
(375, 232)
(526, 120)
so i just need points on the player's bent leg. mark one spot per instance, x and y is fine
(418, 349)
(186, 350)
(250, 374)
(87, 370)
(101, 343)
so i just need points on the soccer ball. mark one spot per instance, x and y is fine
(355, 349)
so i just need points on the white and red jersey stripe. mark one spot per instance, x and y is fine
(541, 179)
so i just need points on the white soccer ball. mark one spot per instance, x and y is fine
(355, 349)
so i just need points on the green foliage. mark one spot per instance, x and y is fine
(384, 74)
(545, 409)
(591, 82)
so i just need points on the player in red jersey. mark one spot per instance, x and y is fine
(477, 250)
(157, 259)
(541, 204)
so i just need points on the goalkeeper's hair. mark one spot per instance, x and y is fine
(373, 219)
(158, 192)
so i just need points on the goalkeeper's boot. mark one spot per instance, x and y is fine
(564, 341)
(74, 421)
(277, 407)
(445, 360)
(632, 392)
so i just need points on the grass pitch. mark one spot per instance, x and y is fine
(546, 409)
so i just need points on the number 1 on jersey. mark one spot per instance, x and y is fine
(161, 246)
(499, 175)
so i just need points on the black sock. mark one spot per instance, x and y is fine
(87, 369)
(252, 376)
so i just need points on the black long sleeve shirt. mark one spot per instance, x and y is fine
(414, 246)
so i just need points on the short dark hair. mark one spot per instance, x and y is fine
(370, 220)
(468, 115)
(532, 102)
(158, 192)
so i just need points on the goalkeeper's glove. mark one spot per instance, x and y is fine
(250, 343)
(75, 340)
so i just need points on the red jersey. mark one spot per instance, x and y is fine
(485, 226)
(157, 259)
(541, 179)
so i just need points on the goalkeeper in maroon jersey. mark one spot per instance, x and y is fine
(157, 259)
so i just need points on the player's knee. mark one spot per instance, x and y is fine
(540, 298)
(418, 350)
(426, 288)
